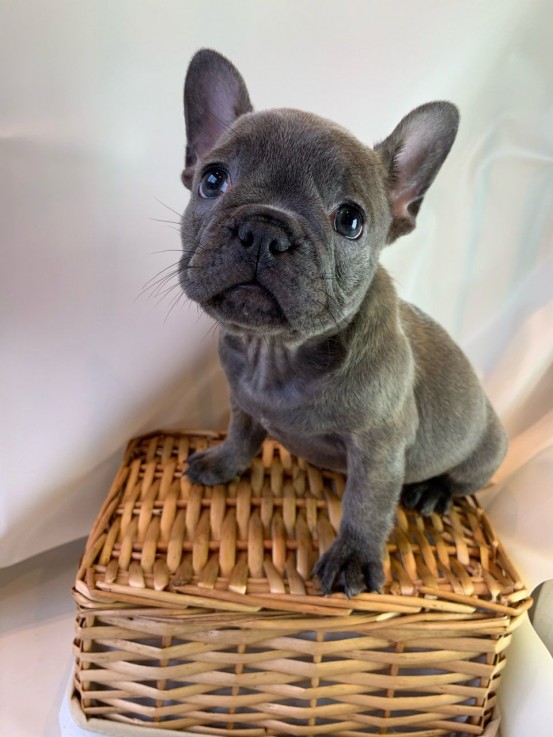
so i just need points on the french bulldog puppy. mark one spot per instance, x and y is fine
(281, 239)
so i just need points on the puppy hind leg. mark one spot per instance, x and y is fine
(436, 494)
(475, 472)
(427, 497)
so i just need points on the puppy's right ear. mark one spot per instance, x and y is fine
(214, 96)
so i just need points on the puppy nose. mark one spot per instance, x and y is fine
(263, 236)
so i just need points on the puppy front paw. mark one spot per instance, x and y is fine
(347, 566)
(213, 466)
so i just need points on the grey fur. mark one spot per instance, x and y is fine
(318, 349)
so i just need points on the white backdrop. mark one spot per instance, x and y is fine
(92, 139)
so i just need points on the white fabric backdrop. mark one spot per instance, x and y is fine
(92, 137)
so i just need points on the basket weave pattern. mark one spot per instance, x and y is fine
(197, 613)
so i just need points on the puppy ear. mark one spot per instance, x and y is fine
(214, 96)
(413, 155)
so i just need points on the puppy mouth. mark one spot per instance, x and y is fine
(247, 304)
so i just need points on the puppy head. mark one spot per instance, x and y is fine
(289, 212)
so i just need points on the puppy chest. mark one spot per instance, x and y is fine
(302, 426)
(268, 383)
(304, 434)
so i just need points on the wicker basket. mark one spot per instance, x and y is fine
(197, 614)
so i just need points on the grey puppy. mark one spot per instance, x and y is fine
(281, 240)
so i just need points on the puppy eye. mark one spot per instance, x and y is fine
(214, 182)
(348, 221)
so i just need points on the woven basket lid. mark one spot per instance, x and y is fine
(250, 545)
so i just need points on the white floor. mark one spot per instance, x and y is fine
(37, 617)
(36, 632)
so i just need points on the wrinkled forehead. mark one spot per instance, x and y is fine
(294, 149)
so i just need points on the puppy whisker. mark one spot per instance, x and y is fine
(173, 305)
(151, 283)
(155, 286)
(212, 329)
(178, 214)
(166, 293)
(159, 220)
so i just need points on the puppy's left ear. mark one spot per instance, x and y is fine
(214, 96)
(413, 155)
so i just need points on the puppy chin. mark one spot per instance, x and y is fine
(248, 307)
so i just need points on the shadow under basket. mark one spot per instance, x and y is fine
(197, 614)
